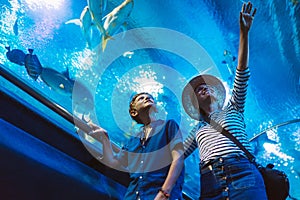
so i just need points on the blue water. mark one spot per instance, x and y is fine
(166, 44)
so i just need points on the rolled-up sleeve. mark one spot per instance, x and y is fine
(174, 135)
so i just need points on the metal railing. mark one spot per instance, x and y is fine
(79, 123)
(47, 102)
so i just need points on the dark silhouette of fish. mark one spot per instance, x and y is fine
(228, 60)
(57, 81)
(61, 83)
(16, 28)
(230, 64)
(82, 98)
(33, 65)
(16, 56)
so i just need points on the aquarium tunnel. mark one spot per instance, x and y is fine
(61, 68)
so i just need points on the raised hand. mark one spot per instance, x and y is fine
(98, 132)
(246, 16)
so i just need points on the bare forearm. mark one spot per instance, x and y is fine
(174, 171)
(108, 154)
(246, 18)
(243, 55)
(101, 135)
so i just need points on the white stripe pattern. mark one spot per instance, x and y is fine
(212, 144)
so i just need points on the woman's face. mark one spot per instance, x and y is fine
(205, 94)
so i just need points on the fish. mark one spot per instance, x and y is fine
(116, 19)
(16, 28)
(83, 100)
(229, 60)
(33, 65)
(96, 9)
(57, 81)
(16, 56)
(88, 28)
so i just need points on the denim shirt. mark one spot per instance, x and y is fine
(149, 163)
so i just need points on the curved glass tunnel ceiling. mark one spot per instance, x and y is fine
(158, 48)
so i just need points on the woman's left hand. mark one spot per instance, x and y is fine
(246, 16)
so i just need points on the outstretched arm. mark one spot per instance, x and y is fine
(246, 18)
(101, 135)
(242, 75)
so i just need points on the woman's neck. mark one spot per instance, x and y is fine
(209, 109)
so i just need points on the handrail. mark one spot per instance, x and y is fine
(272, 127)
(41, 98)
(49, 103)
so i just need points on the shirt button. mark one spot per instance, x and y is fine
(137, 192)
(142, 162)
(141, 177)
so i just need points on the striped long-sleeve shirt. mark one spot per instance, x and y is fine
(212, 144)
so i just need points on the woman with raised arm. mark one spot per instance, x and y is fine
(226, 173)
